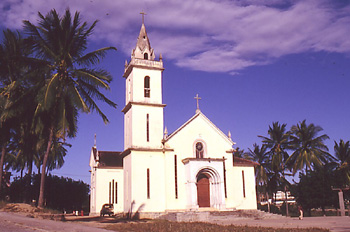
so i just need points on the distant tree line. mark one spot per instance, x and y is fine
(60, 193)
(301, 149)
(46, 80)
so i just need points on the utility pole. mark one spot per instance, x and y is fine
(341, 199)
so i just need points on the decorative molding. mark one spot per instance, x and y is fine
(128, 106)
(187, 160)
(129, 150)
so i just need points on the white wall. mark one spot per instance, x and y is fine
(140, 162)
(103, 177)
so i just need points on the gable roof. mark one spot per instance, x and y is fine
(200, 114)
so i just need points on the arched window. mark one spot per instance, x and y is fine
(199, 150)
(145, 56)
(147, 87)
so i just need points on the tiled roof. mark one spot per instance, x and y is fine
(243, 162)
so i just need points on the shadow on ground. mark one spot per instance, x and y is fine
(115, 219)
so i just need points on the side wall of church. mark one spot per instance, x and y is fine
(240, 187)
(146, 175)
(105, 192)
(93, 208)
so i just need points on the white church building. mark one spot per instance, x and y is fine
(190, 169)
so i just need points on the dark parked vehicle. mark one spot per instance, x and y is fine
(107, 209)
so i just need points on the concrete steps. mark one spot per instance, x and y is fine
(218, 216)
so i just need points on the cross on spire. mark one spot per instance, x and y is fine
(143, 16)
(197, 98)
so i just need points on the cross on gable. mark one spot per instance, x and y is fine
(197, 98)
(143, 16)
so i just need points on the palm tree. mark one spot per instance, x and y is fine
(13, 67)
(342, 153)
(260, 155)
(278, 143)
(71, 86)
(239, 153)
(309, 149)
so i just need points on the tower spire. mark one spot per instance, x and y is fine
(143, 49)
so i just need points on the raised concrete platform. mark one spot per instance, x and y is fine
(217, 216)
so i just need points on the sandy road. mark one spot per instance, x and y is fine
(10, 222)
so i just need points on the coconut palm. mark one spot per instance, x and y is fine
(342, 153)
(277, 143)
(308, 148)
(71, 85)
(259, 155)
(239, 153)
(13, 67)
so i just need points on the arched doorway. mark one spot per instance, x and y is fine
(203, 190)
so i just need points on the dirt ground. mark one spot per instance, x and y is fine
(332, 223)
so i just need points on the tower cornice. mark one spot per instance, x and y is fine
(141, 63)
(130, 104)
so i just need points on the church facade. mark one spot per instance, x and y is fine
(189, 169)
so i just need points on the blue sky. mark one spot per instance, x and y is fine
(252, 63)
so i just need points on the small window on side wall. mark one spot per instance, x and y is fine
(147, 86)
(145, 56)
(199, 150)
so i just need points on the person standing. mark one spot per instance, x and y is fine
(300, 212)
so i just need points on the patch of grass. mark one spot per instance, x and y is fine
(48, 210)
(167, 226)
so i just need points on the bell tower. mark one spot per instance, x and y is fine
(143, 111)
(143, 162)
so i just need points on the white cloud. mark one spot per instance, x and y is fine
(208, 35)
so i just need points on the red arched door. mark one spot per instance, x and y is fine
(203, 191)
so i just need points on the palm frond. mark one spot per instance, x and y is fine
(94, 57)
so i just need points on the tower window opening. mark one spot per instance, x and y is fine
(112, 191)
(199, 150)
(147, 86)
(116, 192)
(145, 56)
(243, 182)
(148, 185)
(147, 127)
(109, 192)
(175, 169)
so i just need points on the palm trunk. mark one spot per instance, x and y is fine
(29, 182)
(268, 202)
(43, 171)
(3, 152)
(286, 201)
